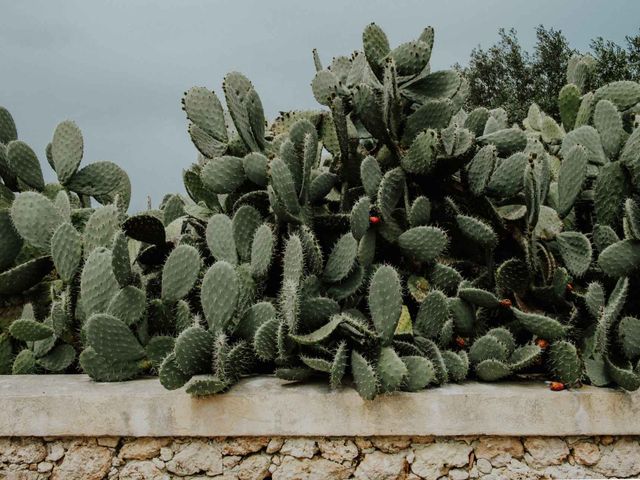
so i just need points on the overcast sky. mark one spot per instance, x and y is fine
(119, 68)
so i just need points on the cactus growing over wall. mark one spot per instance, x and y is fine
(389, 239)
(44, 228)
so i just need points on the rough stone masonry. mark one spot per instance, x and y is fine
(328, 458)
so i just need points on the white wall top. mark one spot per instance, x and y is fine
(70, 405)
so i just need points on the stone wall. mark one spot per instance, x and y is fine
(327, 458)
(66, 427)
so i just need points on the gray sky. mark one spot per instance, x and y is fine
(119, 68)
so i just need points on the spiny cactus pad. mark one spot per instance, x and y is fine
(385, 301)
(180, 272)
(219, 294)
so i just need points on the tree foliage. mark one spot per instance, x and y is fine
(508, 76)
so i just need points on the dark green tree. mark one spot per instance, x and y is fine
(505, 74)
(611, 61)
(548, 68)
(614, 62)
(633, 49)
(500, 76)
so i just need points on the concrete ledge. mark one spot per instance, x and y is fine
(73, 405)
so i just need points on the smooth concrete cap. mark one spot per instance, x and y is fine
(66, 405)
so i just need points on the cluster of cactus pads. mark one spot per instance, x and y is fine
(390, 240)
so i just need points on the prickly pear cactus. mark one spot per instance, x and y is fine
(388, 240)
(420, 243)
(45, 228)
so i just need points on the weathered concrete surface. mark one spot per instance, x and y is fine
(73, 405)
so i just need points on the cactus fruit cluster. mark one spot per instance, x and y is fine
(389, 239)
